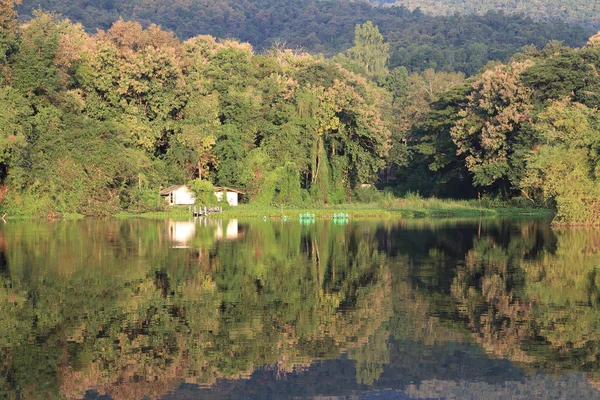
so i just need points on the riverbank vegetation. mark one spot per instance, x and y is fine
(97, 124)
(409, 206)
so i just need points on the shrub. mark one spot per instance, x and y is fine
(204, 192)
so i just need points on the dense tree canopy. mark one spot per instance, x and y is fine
(579, 11)
(528, 127)
(417, 41)
(94, 124)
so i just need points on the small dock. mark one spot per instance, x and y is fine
(204, 211)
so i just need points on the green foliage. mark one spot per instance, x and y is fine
(8, 28)
(204, 192)
(369, 52)
(572, 11)
(417, 40)
(93, 125)
(35, 72)
(368, 195)
(525, 129)
(397, 83)
(488, 129)
(566, 167)
(229, 150)
(14, 125)
(281, 187)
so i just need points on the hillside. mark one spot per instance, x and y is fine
(584, 12)
(417, 41)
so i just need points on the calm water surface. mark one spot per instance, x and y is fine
(420, 309)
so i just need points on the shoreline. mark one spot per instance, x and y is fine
(398, 209)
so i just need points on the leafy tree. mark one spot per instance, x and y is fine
(230, 152)
(35, 72)
(369, 50)
(14, 126)
(489, 127)
(204, 192)
(566, 166)
(8, 27)
(397, 84)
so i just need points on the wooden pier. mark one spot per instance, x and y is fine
(203, 211)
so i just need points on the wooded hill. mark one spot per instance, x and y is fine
(584, 12)
(461, 43)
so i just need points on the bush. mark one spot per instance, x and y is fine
(281, 187)
(143, 200)
(204, 192)
(368, 195)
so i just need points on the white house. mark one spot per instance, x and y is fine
(231, 195)
(178, 195)
(183, 195)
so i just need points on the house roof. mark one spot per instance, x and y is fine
(221, 188)
(172, 189)
(175, 188)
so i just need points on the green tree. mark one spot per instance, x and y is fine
(369, 50)
(8, 27)
(15, 127)
(204, 192)
(566, 166)
(489, 127)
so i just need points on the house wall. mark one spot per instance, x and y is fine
(232, 198)
(183, 196)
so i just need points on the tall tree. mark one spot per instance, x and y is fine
(8, 26)
(488, 132)
(565, 168)
(369, 50)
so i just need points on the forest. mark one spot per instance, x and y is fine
(95, 124)
(418, 41)
(582, 12)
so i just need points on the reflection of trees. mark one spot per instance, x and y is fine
(486, 288)
(564, 285)
(532, 304)
(110, 305)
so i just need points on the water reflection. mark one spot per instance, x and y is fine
(181, 233)
(223, 309)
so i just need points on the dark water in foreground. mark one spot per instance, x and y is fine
(420, 309)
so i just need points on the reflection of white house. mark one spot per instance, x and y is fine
(183, 195)
(231, 231)
(181, 232)
(178, 195)
(231, 195)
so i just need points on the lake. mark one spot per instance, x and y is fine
(209, 309)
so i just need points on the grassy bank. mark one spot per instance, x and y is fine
(411, 207)
(176, 213)
(389, 208)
